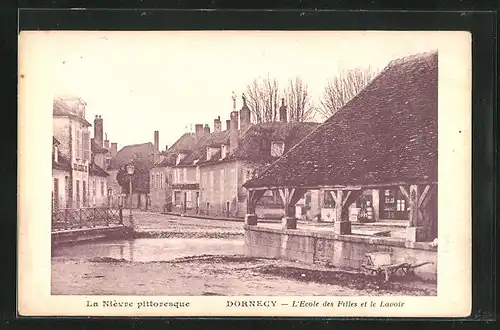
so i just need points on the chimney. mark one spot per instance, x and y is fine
(98, 130)
(157, 140)
(283, 111)
(114, 149)
(244, 114)
(206, 130)
(198, 132)
(106, 141)
(233, 134)
(228, 125)
(217, 125)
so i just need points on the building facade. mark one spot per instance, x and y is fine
(162, 173)
(209, 180)
(79, 179)
(71, 130)
(145, 155)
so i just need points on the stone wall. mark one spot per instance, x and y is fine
(343, 251)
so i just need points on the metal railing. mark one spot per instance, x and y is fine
(65, 219)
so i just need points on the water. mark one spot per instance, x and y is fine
(148, 249)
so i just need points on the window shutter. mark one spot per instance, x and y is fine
(86, 145)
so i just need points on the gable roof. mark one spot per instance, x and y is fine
(386, 134)
(255, 143)
(96, 170)
(184, 144)
(198, 153)
(97, 149)
(60, 107)
(127, 153)
(62, 163)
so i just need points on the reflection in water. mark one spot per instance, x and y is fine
(131, 248)
(148, 249)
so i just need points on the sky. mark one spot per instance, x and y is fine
(140, 82)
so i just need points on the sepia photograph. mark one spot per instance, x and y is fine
(246, 164)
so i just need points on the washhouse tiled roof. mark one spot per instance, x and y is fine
(386, 134)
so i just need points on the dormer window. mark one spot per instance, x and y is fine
(56, 152)
(180, 157)
(277, 148)
(223, 151)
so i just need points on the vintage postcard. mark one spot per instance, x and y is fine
(245, 173)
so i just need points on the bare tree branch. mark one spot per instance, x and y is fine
(262, 99)
(299, 103)
(341, 89)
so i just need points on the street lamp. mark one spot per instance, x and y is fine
(130, 172)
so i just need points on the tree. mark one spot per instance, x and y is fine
(299, 105)
(341, 89)
(140, 178)
(263, 99)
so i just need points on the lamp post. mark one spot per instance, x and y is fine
(130, 172)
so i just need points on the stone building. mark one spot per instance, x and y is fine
(77, 161)
(61, 171)
(161, 179)
(98, 189)
(145, 153)
(71, 153)
(186, 172)
(209, 179)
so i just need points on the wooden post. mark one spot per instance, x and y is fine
(419, 227)
(253, 198)
(290, 197)
(376, 204)
(343, 199)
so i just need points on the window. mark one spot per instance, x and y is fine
(177, 198)
(211, 184)
(277, 149)
(102, 188)
(93, 188)
(223, 151)
(66, 191)
(152, 180)
(56, 193)
(209, 153)
(328, 201)
(86, 145)
(401, 205)
(185, 175)
(221, 182)
(181, 176)
(78, 144)
(308, 198)
(84, 193)
(56, 156)
(77, 194)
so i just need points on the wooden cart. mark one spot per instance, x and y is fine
(379, 264)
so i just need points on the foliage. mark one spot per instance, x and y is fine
(140, 178)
